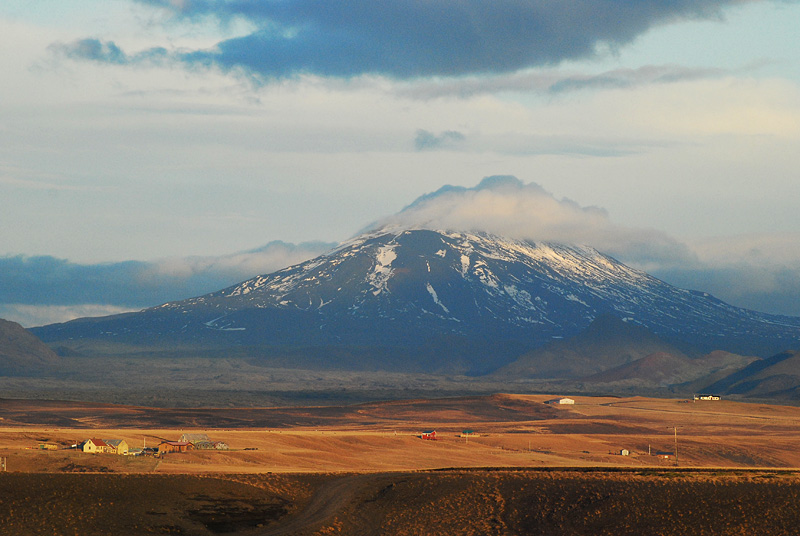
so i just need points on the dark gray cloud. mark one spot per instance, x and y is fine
(627, 78)
(426, 141)
(554, 82)
(770, 289)
(91, 49)
(412, 39)
(47, 281)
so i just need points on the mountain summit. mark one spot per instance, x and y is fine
(432, 300)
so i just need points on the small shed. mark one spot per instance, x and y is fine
(430, 435)
(624, 452)
(174, 446)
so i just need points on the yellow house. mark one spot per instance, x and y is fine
(94, 446)
(117, 446)
(110, 446)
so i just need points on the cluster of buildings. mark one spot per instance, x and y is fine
(106, 446)
(706, 397)
(119, 446)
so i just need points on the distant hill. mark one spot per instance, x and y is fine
(21, 352)
(608, 342)
(662, 369)
(774, 377)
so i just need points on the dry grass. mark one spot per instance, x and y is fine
(361, 469)
(514, 431)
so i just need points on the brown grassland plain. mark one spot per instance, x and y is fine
(530, 468)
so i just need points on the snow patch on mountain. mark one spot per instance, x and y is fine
(435, 297)
(382, 272)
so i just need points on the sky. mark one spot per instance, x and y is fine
(153, 150)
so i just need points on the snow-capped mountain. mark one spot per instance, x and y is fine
(441, 295)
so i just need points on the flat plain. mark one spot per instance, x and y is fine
(501, 464)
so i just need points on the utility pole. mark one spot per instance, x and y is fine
(675, 428)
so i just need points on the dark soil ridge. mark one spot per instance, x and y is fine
(553, 501)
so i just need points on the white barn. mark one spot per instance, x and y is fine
(561, 401)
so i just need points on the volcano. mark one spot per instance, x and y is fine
(425, 300)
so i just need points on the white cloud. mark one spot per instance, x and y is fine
(229, 269)
(505, 206)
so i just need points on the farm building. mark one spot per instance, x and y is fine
(174, 446)
(561, 401)
(665, 454)
(194, 438)
(429, 435)
(107, 446)
(94, 446)
(117, 446)
(706, 397)
(624, 452)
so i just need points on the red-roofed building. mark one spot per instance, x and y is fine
(95, 445)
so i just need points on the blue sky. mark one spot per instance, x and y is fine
(151, 149)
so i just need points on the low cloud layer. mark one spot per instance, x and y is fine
(760, 272)
(554, 82)
(406, 40)
(38, 290)
(505, 206)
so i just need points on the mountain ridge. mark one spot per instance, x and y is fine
(21, 352)
(436, 298)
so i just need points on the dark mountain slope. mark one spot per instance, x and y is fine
(775, 377)
(21, 352)
(606, 343)
(662, 369)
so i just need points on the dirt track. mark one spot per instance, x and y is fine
(328, 500)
